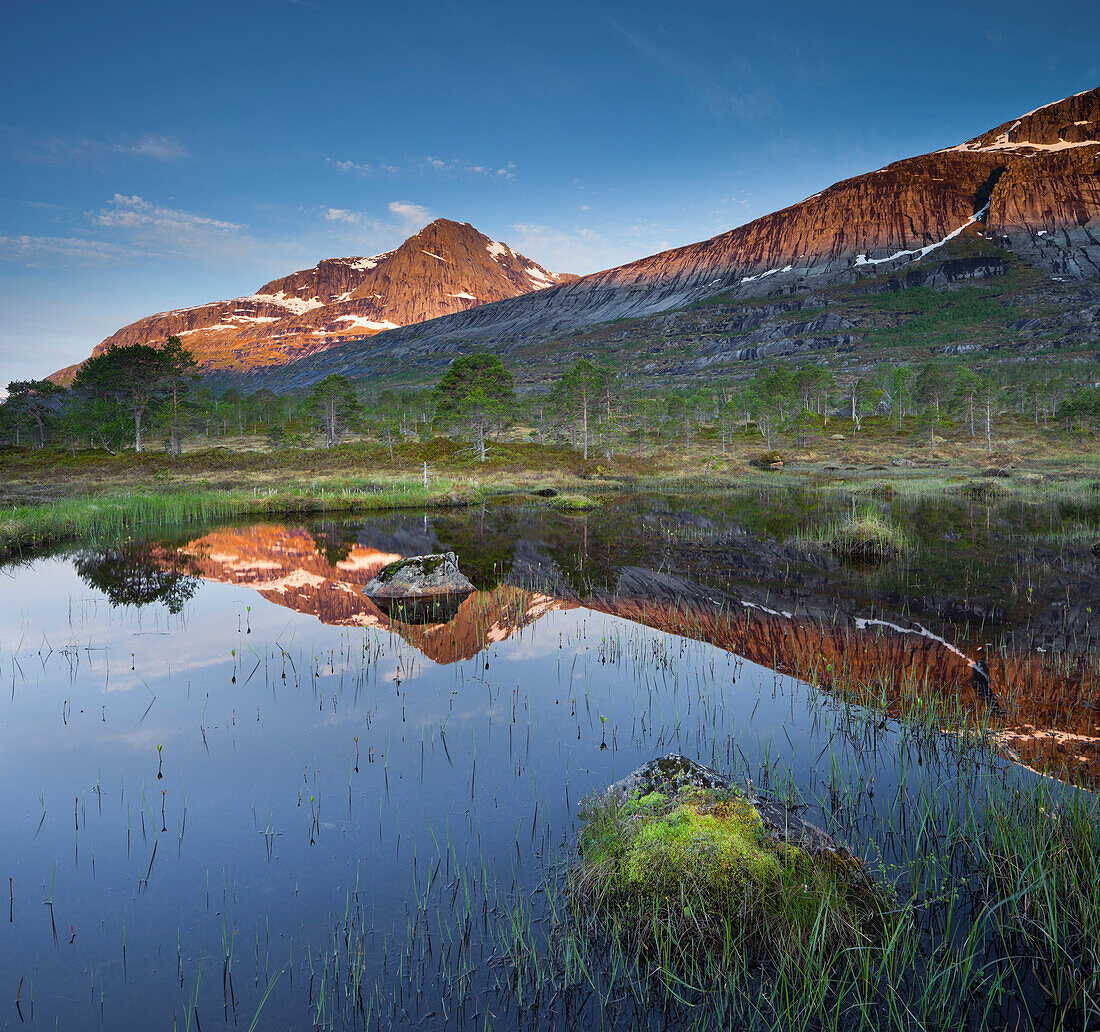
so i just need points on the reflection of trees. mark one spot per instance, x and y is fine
(333, 540)
(484, 540)
(135, 575)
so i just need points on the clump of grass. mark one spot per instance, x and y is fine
(574, 503)
(1040, 854)
(983, 490)
(866, 538)
(685, 880)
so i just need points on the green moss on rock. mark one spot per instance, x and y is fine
(701, 873)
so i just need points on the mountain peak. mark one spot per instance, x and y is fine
(446, 267)
(1065, 124)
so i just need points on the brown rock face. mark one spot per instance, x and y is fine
(447, 267)
(1036, 172)
(1032, 183)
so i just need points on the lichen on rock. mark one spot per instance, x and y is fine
(419, 576)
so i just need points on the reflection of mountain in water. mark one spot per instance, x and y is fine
(1044, 707)
(286, 566)
(1044, 704)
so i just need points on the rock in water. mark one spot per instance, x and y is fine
(673, 774)
(418, 577)
(679, 859)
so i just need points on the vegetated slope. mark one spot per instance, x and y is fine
(1030, 187)
(446, 267)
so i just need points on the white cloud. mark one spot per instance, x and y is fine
(456, 166)
(346, 215)
(137, 213)
(364, 168)
(38, 251)
(155, 146)
(432, 164)
(414, 214)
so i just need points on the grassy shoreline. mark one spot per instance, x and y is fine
(90, 517)
(51, 497)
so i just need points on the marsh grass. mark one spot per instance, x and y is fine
(573, 503)
(98, 518)
(866, 538)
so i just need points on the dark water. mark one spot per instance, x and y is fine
(227, 775)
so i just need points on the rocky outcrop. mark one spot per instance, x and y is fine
(447, 267)
(678, 776)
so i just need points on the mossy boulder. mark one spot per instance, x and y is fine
(685, 864)
(768, 460)
(574, 503)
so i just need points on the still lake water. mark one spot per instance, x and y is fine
(234, 789)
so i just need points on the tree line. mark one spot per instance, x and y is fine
(128, 396)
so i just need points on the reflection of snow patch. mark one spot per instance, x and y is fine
(862, 623)
(765, 609)
(364, 560)
(296, 579)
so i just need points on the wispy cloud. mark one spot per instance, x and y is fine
(83, 150)
(45, 251)
(456, 166)
(349, 217)
(433, 165)
(156, 147)
(364, 168)
(137, 213)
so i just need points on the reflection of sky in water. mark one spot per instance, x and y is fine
(267, 826)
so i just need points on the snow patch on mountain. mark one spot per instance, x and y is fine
(862, 259)
(536, 275)
(297, 305)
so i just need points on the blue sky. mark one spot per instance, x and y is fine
(154, 156)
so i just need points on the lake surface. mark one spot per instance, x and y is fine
(237, 794)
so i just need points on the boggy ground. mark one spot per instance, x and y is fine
(104, 491)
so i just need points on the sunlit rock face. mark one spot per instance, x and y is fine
(1031, 185)
(447, 267)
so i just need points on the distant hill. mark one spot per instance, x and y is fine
(447, 267)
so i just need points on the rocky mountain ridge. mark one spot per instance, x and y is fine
(1028, 188)
(447, 267)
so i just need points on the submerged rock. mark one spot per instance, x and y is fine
(419, 576)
